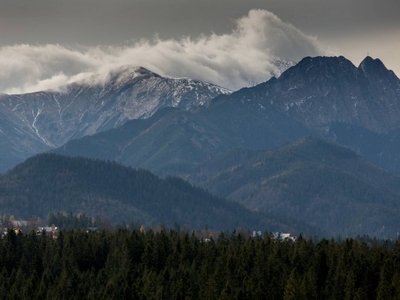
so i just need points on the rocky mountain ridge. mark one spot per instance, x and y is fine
(326, 97)
(319, 91)
(39, 121)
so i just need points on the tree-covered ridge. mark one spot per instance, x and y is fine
(309, 179)
(51, 183)
(175, 140)
(171, 265)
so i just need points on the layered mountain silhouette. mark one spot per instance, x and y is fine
(327, 97)
(349, 114)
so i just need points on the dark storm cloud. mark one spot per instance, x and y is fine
(46, 43)
(244, 56)
(104, 22)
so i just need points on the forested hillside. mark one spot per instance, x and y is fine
(310, 179)
(51, 183)
(172, 265)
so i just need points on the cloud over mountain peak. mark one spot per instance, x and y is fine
(242, 57)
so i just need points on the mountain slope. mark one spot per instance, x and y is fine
(51, 183)
(323, 90)
(173, 140)
(50, 119)
(358, 107)
(309, 179)
(326, 97)
(12, 136)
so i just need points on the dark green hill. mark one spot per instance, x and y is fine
(309, 179)
(51, 183)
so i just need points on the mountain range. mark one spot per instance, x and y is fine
(36, 122)
(250, 145)
(325, 97)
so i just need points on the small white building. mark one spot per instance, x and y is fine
(283, 236)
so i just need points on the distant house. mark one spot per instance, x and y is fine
(50, 231)
(280, 236)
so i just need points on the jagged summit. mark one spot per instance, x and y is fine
(126, 73)
(321, 90)
(369, 62)
(333, 66)
(318, 69)
(369, 59)
(375, 70)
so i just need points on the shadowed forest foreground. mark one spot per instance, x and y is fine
(134, 264)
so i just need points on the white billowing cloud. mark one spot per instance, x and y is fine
(244, 56)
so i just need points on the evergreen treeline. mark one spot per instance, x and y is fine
(171, 265)
(78, 221)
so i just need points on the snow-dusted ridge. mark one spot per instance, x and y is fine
(100, 102)
(281, 65)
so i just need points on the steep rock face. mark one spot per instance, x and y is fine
(48, 119)
(323, 90)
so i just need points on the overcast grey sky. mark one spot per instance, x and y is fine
(352, 28)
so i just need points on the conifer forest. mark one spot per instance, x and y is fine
(167, 264)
